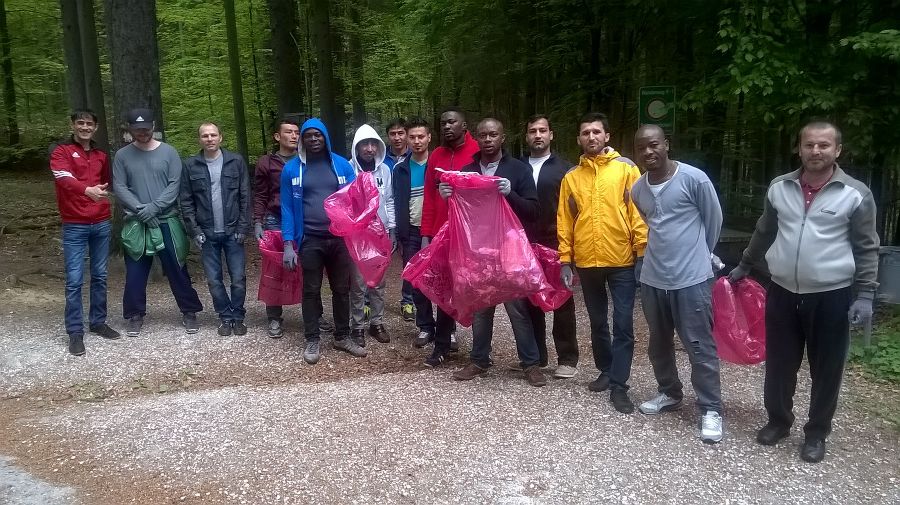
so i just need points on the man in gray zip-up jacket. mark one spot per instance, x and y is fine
(817, 233)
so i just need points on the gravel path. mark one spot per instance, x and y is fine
(170, 418)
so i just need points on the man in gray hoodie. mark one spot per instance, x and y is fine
(817, 234)
(368, 153)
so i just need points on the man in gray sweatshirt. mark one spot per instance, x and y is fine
(683, 216)
(146, 180)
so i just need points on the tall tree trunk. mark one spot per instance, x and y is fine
(329, 86)
(9, 89)
(357, 80)
(90, 58)
(234, 67)
(259, 106)
(286, 56)
(72, 48)
(134, 54)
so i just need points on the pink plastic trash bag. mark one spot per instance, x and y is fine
(353, 211)
(277, 285)
(554, 293)
(490, 257)
(739, 321)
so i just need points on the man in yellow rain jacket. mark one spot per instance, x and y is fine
(602, 236)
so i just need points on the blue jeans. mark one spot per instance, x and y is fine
(78, 240)
(612, 354)
(134, 297)
(229, 309)
(523, 331)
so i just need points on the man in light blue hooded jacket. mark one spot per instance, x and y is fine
(306, 181)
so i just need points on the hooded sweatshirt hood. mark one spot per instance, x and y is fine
(316, 124)
(363, 133)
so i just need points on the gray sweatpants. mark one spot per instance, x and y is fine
(358, 291)
(689, 312)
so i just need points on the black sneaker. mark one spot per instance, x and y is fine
(771, 434)
(224, 329)
(358, 337)
(621, 401)
(191, 325)
(312, 352)
(812, 450)
(275, 330)
(601, 383)
(379, 333)
(436, 359)
(105, 331)
(240, 329)
(349, 346)
(134, 326)
(76, 344)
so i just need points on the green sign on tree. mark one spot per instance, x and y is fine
(656, 105)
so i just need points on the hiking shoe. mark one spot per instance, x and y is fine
(601, 383)
(812, 450)
(379, 333)
(191, 325)
(515, 366)
(565, 372)
(469, 372)
(359, 337)
(660, 404)
(134, 326)
(454, 343)
(325, 325)
(76, 344)
(312, 351)
(104, 331)
(240, 329)
(348, 345)
(535, 376)
(770, 434)
(620, 400)
(711, 427)
(423, 338)
(408, 311)
(275, 330)
(225, 329)
(436, 359)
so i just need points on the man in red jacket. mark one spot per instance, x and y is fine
(456, 151)
(81, 174)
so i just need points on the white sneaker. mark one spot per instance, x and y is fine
(565, 372)
(711, 427)
(660, 404)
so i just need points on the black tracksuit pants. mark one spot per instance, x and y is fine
(817, 322)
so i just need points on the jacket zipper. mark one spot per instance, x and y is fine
(803, 227)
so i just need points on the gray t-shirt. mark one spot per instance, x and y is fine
(147, 178)
(215, 187)
(319, 182)
(684, 221)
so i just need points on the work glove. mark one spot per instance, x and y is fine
(638, 266)
(425, 242)
(200, 239)
(393, 234)
(239, 238)
(146, 212)
(152, 222)
(567, 275)
(445, 190)
(505, 186)
(861, 311)
(258, 231)
(289, 260)
(738, 273)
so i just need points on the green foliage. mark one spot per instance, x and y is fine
(882, 358)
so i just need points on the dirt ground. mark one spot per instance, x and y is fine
(170, 418)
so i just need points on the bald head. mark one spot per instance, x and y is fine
(651, 149)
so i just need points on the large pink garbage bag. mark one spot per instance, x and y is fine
(277, 285)
(353, 211)
(739, 321)
(553, 293)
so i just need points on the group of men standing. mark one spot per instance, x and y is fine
(615, 229)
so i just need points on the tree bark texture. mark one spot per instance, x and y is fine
(9, 88)
(234, 67)
(285, 42)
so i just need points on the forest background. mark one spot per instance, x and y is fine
(747, 74)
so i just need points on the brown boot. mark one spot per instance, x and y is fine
(535, 377)
(469, 372)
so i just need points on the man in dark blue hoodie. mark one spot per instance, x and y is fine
(306, 181)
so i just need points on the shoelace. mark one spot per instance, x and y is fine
(712, 421)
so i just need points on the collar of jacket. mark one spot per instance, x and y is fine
(226, 156)
(467, 138)
(838, 176)
(600, 161)
(72, 141)
(504, 156)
